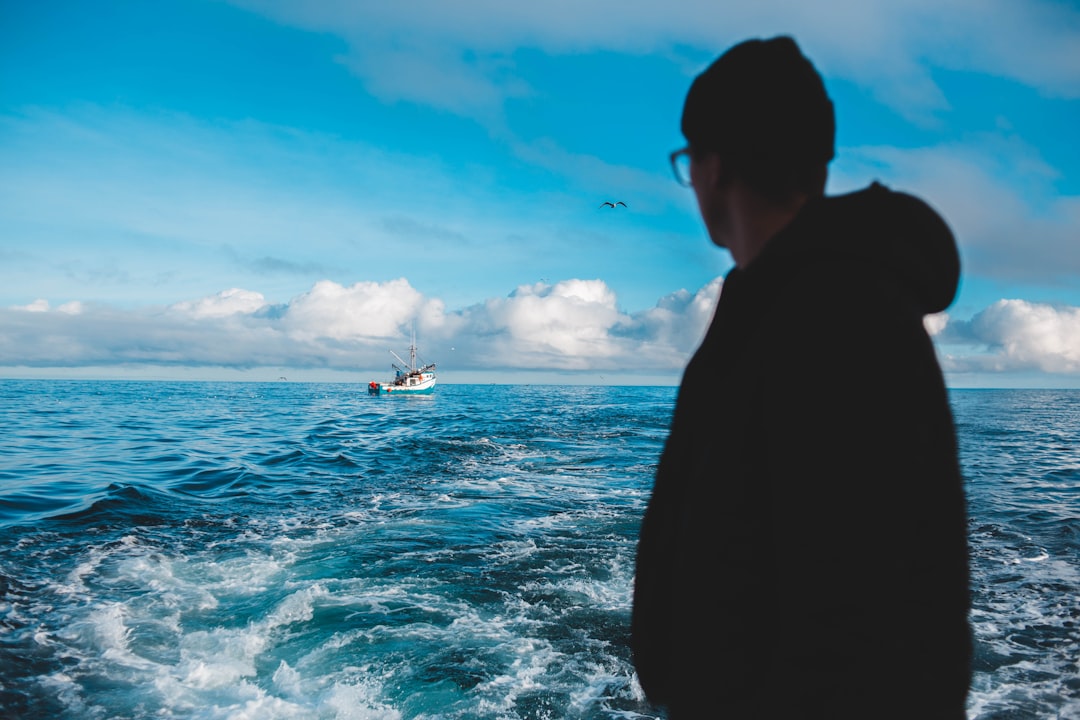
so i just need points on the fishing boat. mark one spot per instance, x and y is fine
(409, 378)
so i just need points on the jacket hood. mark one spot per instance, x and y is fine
(893, 233)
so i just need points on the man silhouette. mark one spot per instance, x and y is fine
(804, 551)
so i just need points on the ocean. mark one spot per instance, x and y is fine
(292, 550)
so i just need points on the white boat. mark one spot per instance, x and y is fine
(409, 378)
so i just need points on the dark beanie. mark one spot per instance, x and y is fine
(762, 101)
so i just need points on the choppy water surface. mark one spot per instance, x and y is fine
(242, 550)
(1021, 456)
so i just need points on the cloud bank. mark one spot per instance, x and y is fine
(571, 326)
(1017, 335)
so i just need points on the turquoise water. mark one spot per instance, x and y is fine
(244, 550)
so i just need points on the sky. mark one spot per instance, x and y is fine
(266, 189)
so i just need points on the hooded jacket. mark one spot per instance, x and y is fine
(804, 550)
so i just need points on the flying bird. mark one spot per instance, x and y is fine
(612, 204)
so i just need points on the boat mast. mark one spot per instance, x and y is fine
(411, 365)
(412, 348)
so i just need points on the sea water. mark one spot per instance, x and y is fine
(288, 550)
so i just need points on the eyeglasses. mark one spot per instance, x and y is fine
(680, 165)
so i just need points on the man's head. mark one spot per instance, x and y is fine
(762, 107)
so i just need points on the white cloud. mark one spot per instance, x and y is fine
(227, 302)
(935, 324)
(571, 320)
(71, 308)
(361, 311)
(577, 325)
(1032, 335)
(38, 305)
(1019, 335)
(678, 321)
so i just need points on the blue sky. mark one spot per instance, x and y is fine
(266, 188)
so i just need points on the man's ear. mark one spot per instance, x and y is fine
(714, 171)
